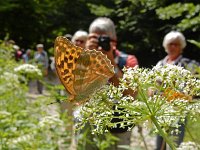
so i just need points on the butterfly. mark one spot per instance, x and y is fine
(81, 71)
(172, 95)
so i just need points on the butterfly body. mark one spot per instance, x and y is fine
(81, 71)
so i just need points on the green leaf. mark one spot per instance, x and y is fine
(195, 43)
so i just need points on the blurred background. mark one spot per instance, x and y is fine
(141, 24)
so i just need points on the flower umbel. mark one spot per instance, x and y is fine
(29, 70)
(164, 98)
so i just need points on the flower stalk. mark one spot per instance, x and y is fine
(163, 134)
(153, 119)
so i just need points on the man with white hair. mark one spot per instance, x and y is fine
(41, 58)
(174, 43)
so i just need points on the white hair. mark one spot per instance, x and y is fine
(103, 25)
(80, 34)
(172, 36)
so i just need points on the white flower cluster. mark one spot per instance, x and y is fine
(28, 69)
(175, 77)
(170, 84)
(193, 110)
(4, 114)
(51, 121)
(113, 92)
(160, 78)
(9, 77)
(10, 80)
(20, 139)
(189, 146)
(133, 77)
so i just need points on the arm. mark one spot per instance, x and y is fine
(46, 65)
(131, 61)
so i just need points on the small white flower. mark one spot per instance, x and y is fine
(50, 121)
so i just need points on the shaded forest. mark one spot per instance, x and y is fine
(140, 24)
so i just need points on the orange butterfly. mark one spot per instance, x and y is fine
(172, 95)
(81, 71)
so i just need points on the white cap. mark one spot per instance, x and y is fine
(39, 45)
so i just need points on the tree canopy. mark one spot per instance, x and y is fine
(141, 24)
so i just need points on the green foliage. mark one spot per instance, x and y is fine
(35, 21)
(100, 10)
(195, 43)
(187, 12)
(191, 131)
(26, 123)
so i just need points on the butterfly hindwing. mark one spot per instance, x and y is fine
(92, 71)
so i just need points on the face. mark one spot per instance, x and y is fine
(39, 49)
(28, 53)
(174, 48)
(80, 42)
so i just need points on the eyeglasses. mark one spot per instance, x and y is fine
(79, 41)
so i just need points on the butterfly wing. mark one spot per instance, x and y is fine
(66, 55)
(81, 71)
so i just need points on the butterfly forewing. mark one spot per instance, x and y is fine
(65, 56)
(81, 71)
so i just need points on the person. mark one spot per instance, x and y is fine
(68, 36)
(102, 36)
(27, 56)
(18, 52)
(174, 43)
(41, 58)
(79, 38)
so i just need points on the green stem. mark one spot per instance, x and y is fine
(163, 134)
(140, 131)
(144, 99)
